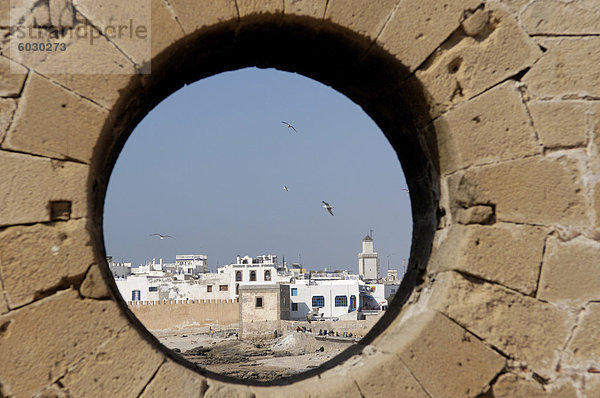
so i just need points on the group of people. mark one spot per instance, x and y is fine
(336, 334)
(303, 329)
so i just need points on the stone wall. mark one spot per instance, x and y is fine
(168, 315)
(493, 108)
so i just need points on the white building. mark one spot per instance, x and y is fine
(260, 270)
(192, 264)
(368, 261)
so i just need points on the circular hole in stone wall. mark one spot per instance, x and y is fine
(248, 204)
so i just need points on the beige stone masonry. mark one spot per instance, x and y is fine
(416, 29)
(44, 339)
(7, 110)
(198, 14)
(583, 346)
(571, 272)
(54, 122)
(466, 66)
(492, 127)
(558, 17)
(564, 70)
(523, 333)
(461, 369)
(98, 371)
(94, 285)
(306, 8)
(29, 183)
(511, 386)
(508, 254)
(65, 254)
(217, 389)
(174, 380)
(534, 190)
(12, 77)
(559, 124)
(253, 7)
(364, 17)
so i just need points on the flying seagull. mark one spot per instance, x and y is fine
(405, 189)
(162, 236)
(289, 126)
(285, 188)
(328, 207)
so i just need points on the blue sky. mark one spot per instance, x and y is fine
(209, 163)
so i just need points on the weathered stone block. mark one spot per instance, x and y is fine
(475, 215)
(584, 344)
(198, 14)
(559, 124)
(364, 17)
(29, 183)
(533, 190)
(564, 70)
(12, 77)
(99, 371)
(571, 271)
(446, 359)
(596, 203)
(7, 110)
(217, 389)
(57, 252)
(514, 323)
(93, 285)
(253, 7)
(54, 122)
(511, 386)
(492, 127)
(476, 23)
(44, 339)
(61, 14)
(415, 30)
(305, 8)
(560, 18)
(466, 66)
(3, 305)
(508, 254)
(174, 380)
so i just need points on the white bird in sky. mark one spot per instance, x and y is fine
(162, 236)
(405, 189)
(289, 126)
(285, 188)
(327, 207)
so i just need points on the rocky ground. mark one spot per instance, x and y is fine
(222, 352)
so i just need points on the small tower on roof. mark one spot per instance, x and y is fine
(368, 261)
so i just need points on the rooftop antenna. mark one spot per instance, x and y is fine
(371, 233)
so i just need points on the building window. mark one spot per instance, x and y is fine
(318, 301)
(259, 302)
(237, 288)
(209, 288)
(341, 301)
(153, 289)
(267, 275)
(253, 275)
(223, 288)
(135, 295)
(294, 306)
(294, 291)
(238, 276)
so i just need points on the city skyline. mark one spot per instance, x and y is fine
(209, 164)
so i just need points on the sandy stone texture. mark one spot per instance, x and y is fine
(198, 14)
(306, 8)
(559, 124)
(557, 17)
(12, 77)
(174, 380)
(571, 272)
(510, 386)
(523, 332)
(364, 17)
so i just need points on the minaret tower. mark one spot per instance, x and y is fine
(368, 261)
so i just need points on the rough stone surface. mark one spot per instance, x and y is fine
(364, 17)
(462, 368)
(492, 127)
(54, 122)
(7, 110)
(557, 17)
(466, 66)
(93, 285)
(478, 306)
(475, 23)
(571, 271)
(475, 215)
(58, 252)
(415, 30)
(45, 180)
(564, 70)
(533, 190)
(12, 77)
(174, 380)
(3, 305)
(217, 389)
(98, 371)
(510, 386)
(198, 14)
(307, 8)
(510, 255)
(559, 124)
(596, 203)
(43, 340)
(584, 344)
